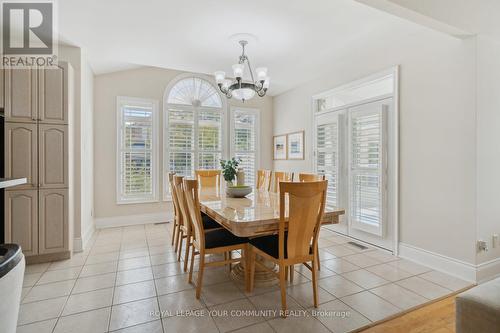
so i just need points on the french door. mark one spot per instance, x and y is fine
(355, 150)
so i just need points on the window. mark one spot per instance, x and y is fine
(137, 144)
(245, 141)
(356, 147)
(193, 131)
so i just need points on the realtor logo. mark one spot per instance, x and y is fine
(28, 34)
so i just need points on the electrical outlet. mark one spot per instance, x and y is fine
(482, 246)
(495, 241)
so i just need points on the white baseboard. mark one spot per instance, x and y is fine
(488, 270)
(80, 243)
(461, 269)
(121, 221)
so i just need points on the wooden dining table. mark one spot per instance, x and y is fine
(257, 214)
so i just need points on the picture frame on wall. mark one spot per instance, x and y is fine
(295, 143)
(279, 147)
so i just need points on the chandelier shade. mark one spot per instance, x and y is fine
(238, 88)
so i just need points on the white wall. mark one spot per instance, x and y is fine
(437, 132)
(488, 145)
(145, 82)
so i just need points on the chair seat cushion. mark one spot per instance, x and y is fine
(222, 237)
(270, 245)
(208, 222)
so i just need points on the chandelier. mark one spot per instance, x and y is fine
(238, 88)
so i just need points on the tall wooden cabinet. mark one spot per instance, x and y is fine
(36, 147)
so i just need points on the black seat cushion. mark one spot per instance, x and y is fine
(270, 245)
(222, 237)
(208, 222)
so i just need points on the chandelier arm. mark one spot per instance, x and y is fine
(250, 69)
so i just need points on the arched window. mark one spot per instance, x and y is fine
(194, 114)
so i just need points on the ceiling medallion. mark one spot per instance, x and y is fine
(238, 88)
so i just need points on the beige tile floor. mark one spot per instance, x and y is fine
(129, 280)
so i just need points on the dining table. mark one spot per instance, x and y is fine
(257, 214)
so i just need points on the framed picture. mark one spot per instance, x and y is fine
(279, 147)
(296, 145)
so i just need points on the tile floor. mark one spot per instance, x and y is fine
(130, 281)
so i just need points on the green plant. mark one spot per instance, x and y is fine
(229, 168)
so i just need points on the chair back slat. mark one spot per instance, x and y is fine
(306, 205)
(208, 178)
(181, 201)
(263, 179)
(310, 177)
(280, 176)
(193, 205)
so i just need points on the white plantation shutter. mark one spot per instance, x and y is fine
(136, 160)
(245, 128)
(366, 172)
(327, 157)
(193, 130)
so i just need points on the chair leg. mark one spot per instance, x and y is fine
(181, 236)
(174, 232)
(186, 255)
(251, 255)
(286, 273)
(177, 238)
(230, 256)
(315, 282)
(200, 275)
(317, 257)
(191, 266)
(292, 273)
(283, 290)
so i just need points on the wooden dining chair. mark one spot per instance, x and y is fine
(263, 179)
(186, 228)
(214, 242)
(310, 177)
(177, 215)
(208, 178)
(296, 244)
(280, 176)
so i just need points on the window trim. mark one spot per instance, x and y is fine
(256, 112)
(120, 101)
(165, 169)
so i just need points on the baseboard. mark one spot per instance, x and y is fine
(463, 270)
(122, 221)
(488, 270)
(80, 243)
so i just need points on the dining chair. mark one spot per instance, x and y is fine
(187, 226)
(310, 177)
(208, 178)
(263, 179)
(280, 176)
(214, 242)
(177, 215)
(296, 244)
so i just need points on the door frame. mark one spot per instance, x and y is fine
(394, 162)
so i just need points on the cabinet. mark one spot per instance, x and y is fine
(53, 220)
(21, 216)
(21, 153)
(36, 147)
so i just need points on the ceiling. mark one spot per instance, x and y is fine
(297, 40)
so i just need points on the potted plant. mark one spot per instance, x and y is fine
(229, 169)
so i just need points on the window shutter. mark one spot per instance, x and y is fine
(136, 151)
(244, 145)
(366, 135)
(181, 141)
(327, 157)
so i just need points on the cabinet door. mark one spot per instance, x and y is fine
(53, 156)
(2, 85)
(21, 219)
(53, 95)
(21, 157)
(20, 95)
(53, 221)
